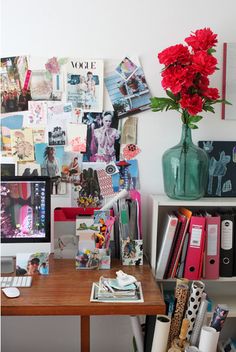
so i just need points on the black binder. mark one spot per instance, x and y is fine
(227, 245)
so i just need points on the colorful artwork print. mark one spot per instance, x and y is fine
(126, 68)
(102, 137)
(37, 114)
(41, 86)
(84, 84)
(22, 144)
(132, 252)
(9, 122)
(127, 96)
(222, 168)
(71, 167)
(76, 134)
(14, 89)
(32, 263)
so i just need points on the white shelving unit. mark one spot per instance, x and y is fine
(222, 290)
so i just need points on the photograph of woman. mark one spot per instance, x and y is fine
(105, 138)
(50, 166)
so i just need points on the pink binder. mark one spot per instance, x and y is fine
(212, 251)
(194, 257)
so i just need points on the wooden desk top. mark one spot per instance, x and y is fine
(66, 291)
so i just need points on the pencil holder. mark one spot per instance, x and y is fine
(131, 252)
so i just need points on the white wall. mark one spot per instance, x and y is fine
(113, 29)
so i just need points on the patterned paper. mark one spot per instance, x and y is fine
(181, 295)
(105, 183)
(194, 301)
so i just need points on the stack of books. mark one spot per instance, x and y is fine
(108, 290)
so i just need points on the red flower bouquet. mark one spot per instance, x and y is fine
(185, 77)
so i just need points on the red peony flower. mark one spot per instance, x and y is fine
(202, 39)
(192, 103)
(212, 93)
(177, 78)
(202, 83)
(204, 63)
(185, 77)
(174, 54)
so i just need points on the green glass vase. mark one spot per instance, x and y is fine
(185, 169)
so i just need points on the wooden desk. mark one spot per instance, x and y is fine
(66, 291)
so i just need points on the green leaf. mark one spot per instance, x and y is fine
(171, 95)
(192, 126)
(211, 51)
(195, 118)
(208, 108)
(163, 104)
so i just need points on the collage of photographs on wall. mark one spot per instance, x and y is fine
(54, 123)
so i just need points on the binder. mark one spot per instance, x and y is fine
(194, 258)
(234, 245)
(226, 245)
(184, 216)
(168, 237)
(212, 251)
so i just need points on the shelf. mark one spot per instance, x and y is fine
(163, 200)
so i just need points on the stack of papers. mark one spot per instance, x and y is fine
(113, 292)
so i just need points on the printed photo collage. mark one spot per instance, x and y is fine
(72, 120)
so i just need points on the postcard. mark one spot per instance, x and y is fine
(9, 122)
(76, 137)
(130, 95)
(37, 114)
(61, 111)
(56, 132)
(103, 137)
(14, 83)
(46, 78)
(29, 169)
(126, 68)
(39, 135)
(22, 144)
(71, 167)
(84, 84)
(41, 86)
(132, 175)
(32, 263)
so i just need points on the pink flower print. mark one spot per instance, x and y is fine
(52, 65)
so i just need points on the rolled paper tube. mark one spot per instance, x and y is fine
(219, 316)
(193, 304)
(208, 339)
(181, 295)
(199, 322)
(161, 333)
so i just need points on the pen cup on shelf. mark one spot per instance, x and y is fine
(131, 251)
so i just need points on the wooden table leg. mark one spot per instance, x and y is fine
(85, 333)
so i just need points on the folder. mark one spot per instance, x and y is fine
(184, 216)
(212, 250)
(194, 258)
(226, 245)
(167, 240)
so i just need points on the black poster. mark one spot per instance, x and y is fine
(222, 168)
